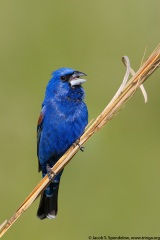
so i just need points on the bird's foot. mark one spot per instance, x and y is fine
(51, 174)
(79, 145)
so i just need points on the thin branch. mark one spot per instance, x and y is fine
(126, 90)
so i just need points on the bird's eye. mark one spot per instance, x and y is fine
(63, 78)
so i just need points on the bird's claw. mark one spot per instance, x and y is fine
(51, 174)
(79, 145)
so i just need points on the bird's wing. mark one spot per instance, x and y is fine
(39, 130)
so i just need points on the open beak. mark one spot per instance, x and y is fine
(75, 78)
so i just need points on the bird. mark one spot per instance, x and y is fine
(63, 119)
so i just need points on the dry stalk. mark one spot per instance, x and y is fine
(124, 93)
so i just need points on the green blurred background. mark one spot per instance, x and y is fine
(113, 188)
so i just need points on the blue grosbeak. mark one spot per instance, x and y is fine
(62, 121)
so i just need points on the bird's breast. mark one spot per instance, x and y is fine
(63, 125)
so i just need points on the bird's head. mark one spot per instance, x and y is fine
(64, 81)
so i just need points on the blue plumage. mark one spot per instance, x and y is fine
(62, 121)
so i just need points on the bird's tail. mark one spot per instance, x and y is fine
(48, 206)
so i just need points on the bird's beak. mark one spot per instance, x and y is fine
(75, 78)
